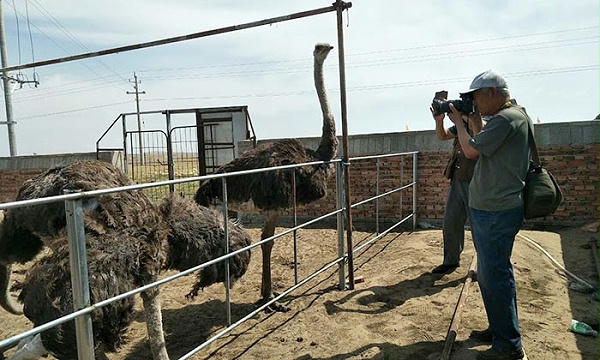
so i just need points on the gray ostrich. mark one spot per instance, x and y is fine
(129, 241)
(271, 191)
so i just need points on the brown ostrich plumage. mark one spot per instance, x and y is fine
(27, 229)
(129, 217)
(114, 268)
(272, 191)
(197, 235)
(129, 240)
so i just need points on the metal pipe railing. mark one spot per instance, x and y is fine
(93, 193)
(175, 39)
(76, 230)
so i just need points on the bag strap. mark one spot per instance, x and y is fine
(534, 152)
(535, 157)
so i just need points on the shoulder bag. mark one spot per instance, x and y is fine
(541, 194)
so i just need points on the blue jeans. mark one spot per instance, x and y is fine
(494, 235)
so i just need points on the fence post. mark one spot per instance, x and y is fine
(415, 178)
(377, 200)
(295, 232)
(170, 161)
(226, 228)
(340, 201)
(125, 157)
(79, 277)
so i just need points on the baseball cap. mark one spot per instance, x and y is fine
(487, 79)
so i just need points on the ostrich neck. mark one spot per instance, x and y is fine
(327, 149)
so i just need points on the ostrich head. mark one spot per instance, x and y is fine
(321, 51)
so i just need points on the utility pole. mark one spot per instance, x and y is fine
(139, 121)
(12, 140)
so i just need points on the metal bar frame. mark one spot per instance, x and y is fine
(341, 216)
(342, 256)
(79, 277)
(75, 212)
(226, 228)
(180, 38)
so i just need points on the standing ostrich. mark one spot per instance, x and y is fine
(128, 241)
(271, 191)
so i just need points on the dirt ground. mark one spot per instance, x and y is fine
(398, 311)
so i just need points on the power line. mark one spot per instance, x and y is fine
(57, 23)
(431, 46)
(350, 64)
(70, 89)
(396, 61)
(18, 31)
(187, 37)
(46, 115)
(392, 85)
(417, 83)
(62, 48)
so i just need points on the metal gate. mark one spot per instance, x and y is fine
(207, 141)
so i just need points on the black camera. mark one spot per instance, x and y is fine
(465, 105)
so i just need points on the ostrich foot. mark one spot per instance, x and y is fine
(274, 307)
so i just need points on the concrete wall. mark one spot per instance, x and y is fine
(551, 134)
(15, 170)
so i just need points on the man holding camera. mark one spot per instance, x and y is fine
(459, 171)
(496, 205)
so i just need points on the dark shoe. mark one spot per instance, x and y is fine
(444, 269)
(484, 336)
(492, 354)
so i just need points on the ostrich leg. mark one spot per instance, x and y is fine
(267, 285)
(154, 324)
(5, 300)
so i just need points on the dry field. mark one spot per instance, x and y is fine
(398, 311)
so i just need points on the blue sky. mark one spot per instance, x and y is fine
(397, 55)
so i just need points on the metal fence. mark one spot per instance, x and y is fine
(176, 144)
(76, 238)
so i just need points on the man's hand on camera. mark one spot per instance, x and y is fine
(455, 116)
(439, 117)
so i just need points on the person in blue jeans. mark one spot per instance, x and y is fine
(496, 205)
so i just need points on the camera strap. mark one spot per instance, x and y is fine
(506, 105)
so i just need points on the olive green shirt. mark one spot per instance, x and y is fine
(504, 154)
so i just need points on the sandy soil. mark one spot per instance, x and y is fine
(398, 311)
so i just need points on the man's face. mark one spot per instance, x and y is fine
(482, 99)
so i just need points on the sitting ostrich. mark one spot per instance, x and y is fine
(26, 230)
(271, 191)
(128, 240)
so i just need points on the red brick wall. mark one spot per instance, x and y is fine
(575, 168)
(576, 171)
(10, 181)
